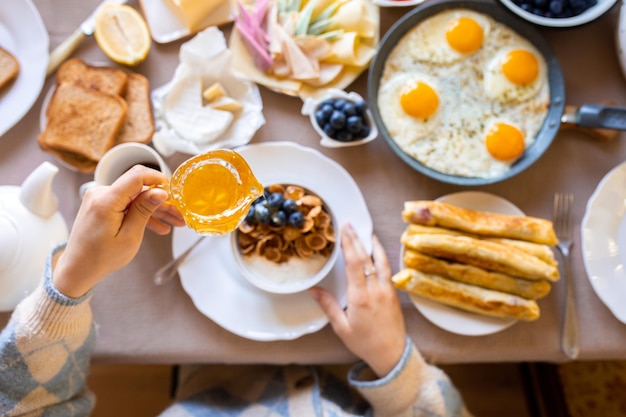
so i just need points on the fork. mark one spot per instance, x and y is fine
(562, 220)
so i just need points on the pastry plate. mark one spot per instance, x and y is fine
(165, 26)
(23, 34)
(217, 288)
(603, 237)
(452, 319)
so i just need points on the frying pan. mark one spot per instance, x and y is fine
(593, 116)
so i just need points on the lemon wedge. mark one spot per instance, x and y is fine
(122, 34)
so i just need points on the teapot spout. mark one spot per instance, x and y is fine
(36, 192)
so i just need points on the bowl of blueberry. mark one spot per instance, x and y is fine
(559, 13)
(288, 241)
(341, 119)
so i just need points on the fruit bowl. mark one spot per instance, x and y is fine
(357, 123)
(288, 242)
(589, 14)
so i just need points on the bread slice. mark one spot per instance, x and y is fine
(9, 68)
(139, 123)
(82, 136)
(104, 79)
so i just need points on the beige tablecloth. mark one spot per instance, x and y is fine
(140, 322)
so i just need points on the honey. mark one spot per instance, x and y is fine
(214, 190)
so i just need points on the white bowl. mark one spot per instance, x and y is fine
(289, 277)
(587, 16)
(397, 3)
(311, 104)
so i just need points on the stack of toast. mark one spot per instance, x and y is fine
(93, 109)
(488, 263)
(9, 68)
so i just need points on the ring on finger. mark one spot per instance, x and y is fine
(368, 270)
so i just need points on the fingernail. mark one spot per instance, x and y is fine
(157, 198)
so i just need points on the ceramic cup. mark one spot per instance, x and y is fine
(119, 159)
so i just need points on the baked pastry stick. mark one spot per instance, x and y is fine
(484, 254)
(464, 296)
(472, 275)
(436, 213)
(9, 68)
(541, 251)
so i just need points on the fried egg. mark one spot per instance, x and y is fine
(449, 36)
(478, 125)
(515, 73)
(409, 106)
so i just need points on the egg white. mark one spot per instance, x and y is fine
(405, 128)
(429, 43)
(498, 86)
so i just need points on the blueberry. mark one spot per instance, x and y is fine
(339, 104)
(327, 101)
(262, 213)
(289, 206)
(349, 109)
(327, 110)
(365, 132)
(320, 119)
(556, 7)
(361, 107)
(337, 119)
(275, 200)
(296, 219)
(328, 129)
(344, 136)
(354, 124)
(250, 217)
(279, 218)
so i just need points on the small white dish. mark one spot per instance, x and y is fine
(452, 319)
(165, 26)
(603, 238)
(24, 35)
(587, 16)
(290, 277)
(310, 106)
(219, 291)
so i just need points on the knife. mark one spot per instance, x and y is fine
(68, 46)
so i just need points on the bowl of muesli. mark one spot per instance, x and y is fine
(288, 242)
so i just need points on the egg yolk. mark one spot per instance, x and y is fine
(419, 100)
(464, 35)
(520, 67)
(504, 142)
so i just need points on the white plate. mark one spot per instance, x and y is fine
(165, 26)
(603, 238)
(23, 34)
(210, 275)
(452, 319)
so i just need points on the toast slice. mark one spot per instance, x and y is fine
(104, 79)
(9, 68)
(139, 123)
(82, 136)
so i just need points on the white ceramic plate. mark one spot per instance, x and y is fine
(165, 26)
(23, 34)
(587, 16)
(452, 319)
(210, 275)
(603, 236)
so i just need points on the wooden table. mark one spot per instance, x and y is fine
(139, 322)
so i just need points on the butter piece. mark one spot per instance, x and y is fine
(192, 12)
(214, 92)
(227, 104)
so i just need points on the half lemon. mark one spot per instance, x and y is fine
(122, 34)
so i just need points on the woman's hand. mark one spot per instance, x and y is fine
(372, 326)
(109, 228)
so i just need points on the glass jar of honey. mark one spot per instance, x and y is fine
(214, 190)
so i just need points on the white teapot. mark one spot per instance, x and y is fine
(30, 226)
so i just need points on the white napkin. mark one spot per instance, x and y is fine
(206, 56)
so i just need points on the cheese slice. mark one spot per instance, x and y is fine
(214, 92)
(192, 12)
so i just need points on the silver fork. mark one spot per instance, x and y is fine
(562, 219)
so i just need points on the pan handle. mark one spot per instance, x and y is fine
(596, 115)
